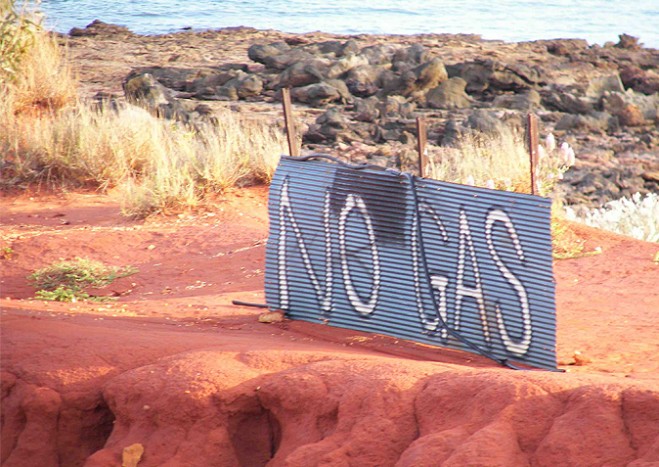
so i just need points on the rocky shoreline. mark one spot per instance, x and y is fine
(358, 96)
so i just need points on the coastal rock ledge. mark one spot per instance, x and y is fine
(602, 100)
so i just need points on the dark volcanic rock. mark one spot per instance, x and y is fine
(628, 42)
(426, 76)
(284, 60)
(566, 99)
(302, 74)
(594, 122)
(595, 97)
(362, 79)
(449, 95)
(491, 75)
(260, 52)
(317, 94)
(144, 90)
(367, 110)
(640, 80)
(526, 101)
(99, 28)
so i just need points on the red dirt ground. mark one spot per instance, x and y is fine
(173, 369)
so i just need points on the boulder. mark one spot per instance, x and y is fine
(99, 28)
(484, 121)
(410, 57)
(599, 85)
(449, 95)
(249, 86)
(366, 110)
(242, 86)
(633, 109)
(206, 84)
(594, 122)
(525, 101)
(566, 99)
(284, 60)
(565, 47)
(261, 52)
(302, 74)
(361, 80)
(379, 54)
(628, 42)
(344, 64)
(484, 75)
(336, 49)
(179, 78)
(426, 76)
(333, 117)
(332, 125)
(396, 107)
(393, 83)
(317, 94)
(643, 81)
(453, 132)
(145, 91)
(342, 88)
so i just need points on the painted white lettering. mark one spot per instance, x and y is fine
(518, 348)
(286, 213)
(364, 308)
(428, 324)
(466, 245)
(440, 283)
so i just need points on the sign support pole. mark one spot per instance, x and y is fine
(422, 139)
(532, 142)
(293, 148)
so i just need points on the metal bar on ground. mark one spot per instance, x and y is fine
(422, 138)
(532, 142)
(293, 148)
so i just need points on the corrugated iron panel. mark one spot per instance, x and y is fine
(434, 262)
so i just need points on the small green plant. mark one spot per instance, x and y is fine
(62, 294)
(6, 252)
(66, 281)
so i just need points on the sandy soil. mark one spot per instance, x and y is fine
(173, 367)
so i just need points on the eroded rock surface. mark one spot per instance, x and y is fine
(209, 407)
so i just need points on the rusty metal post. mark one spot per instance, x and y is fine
(532, 142)
(293, 148)
(422, 138)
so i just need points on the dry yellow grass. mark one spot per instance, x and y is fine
(499, 161)
(49, 137)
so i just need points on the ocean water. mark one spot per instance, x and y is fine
(597, 21)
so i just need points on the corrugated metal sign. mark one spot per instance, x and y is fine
(434, 262)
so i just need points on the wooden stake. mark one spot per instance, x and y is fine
(422, 138)
(293, 148)
(532, 142)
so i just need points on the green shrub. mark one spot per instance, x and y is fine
(67, 280)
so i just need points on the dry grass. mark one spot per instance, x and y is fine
(501, 161)
(48, 137)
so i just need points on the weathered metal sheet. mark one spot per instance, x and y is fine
(434, 262)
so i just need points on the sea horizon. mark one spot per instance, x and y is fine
(596, 21)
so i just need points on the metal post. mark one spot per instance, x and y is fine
(532, 142)
(293, 148)
(422, 138)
